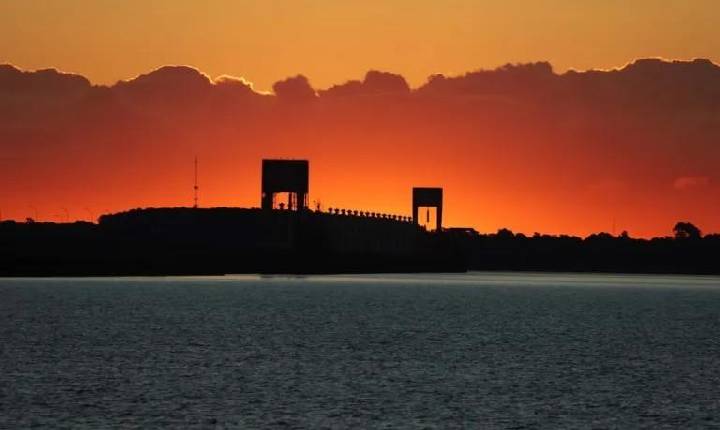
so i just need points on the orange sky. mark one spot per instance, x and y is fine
(554, 169)
(330, 41)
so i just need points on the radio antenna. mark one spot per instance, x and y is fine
(195, 187)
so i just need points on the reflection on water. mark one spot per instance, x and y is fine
(488, 349)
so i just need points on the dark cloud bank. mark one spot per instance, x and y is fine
(644, 137)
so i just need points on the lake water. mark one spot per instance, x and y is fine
(383, 351)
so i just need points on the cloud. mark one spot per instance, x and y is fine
(23, 91)
(508, 79)
(167, 84)
(233, 81)
(296, 88)
(180, 77)
(374, 83)
(51, 82)
(685, 183)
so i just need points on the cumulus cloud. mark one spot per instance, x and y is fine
(167, 83)
(508, 79)
(295, 88)
(374, 83)
(23, 91)
(50, 81)
(182, 77)
(233, 81)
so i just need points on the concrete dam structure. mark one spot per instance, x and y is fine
(284, 235)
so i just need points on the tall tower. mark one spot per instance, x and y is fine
(285, 176)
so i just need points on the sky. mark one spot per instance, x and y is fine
(330, 41)
(624, 143)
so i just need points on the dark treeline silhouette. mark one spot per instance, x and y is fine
(188, 241)
(686, 252)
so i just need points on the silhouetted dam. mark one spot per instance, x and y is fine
(283, 236)
(168, 241)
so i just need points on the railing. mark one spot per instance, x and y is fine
(367, 214)
(356, 213)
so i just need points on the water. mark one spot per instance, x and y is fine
(474, 350)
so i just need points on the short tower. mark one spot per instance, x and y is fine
(428, 198)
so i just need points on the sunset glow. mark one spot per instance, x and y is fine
(613, 144)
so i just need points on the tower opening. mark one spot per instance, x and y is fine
(427, 217)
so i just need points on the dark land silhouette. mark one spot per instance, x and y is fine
(191, 241)
(601, 252)
(286, 236)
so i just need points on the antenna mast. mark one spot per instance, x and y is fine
(195, 187)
